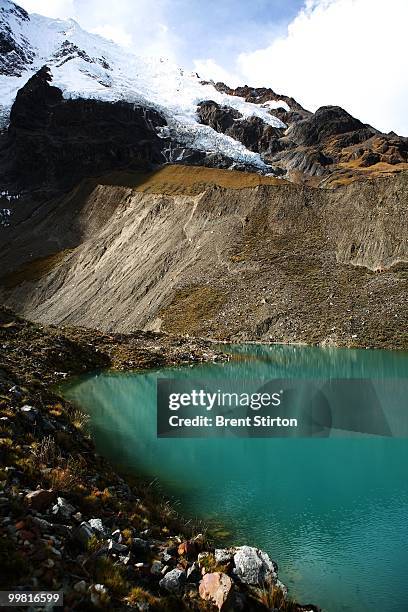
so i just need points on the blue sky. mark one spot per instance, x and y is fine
(346, 52)
(221, 29)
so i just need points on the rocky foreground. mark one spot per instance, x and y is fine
(69, 522)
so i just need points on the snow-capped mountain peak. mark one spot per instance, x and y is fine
(85, 65)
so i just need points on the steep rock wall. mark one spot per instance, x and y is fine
(273, 261)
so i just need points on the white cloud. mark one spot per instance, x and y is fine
(352, 53)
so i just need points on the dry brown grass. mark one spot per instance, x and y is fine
(375, 168)
(189, 307)
(178, 179)
(112, 576)
(274, 598)
(65, 472)
(46, 452)
(62, 479)
(78, 418)
(184, 180)
(351, 171)
(140, 597)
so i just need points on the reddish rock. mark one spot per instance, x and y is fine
(20, 525)
(41, 499)
(216, 588)
(26, 535)
(187, 549)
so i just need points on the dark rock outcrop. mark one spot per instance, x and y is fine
(177, 153)
(69, 51)
(52, 143)
(260, 95)
(220, 118)
(329, 145)
(253, 132)
(327, 121)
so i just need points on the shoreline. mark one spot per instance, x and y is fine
(321, 345)
(70, 521)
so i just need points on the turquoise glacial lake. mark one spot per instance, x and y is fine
(332, 511)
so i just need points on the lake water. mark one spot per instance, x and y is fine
(333, 512)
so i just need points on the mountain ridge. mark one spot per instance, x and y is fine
(118, 215)
(205, 123)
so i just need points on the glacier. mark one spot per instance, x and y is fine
(86, 65)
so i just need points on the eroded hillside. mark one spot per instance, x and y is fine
(219, 254)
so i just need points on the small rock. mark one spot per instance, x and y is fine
(40, 500)
(139, 545)
(24, 534)
(16, 391)
(83, 534)
(156, 568)
(80, 586)
(193, 573)
(97, 526)
(174, 581)
(116, 535)
(187, 549)
(216, 588)
(223, 555)
(146, 532)
(30, 413)
(63, 509)
(253, 566)
(62, 530)
(116, 548)
(42, 524)
(167, 558)
(99, 595)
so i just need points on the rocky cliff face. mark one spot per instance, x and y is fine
(327, 148)
(201, 255)
(15, 55)
(52, 143)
